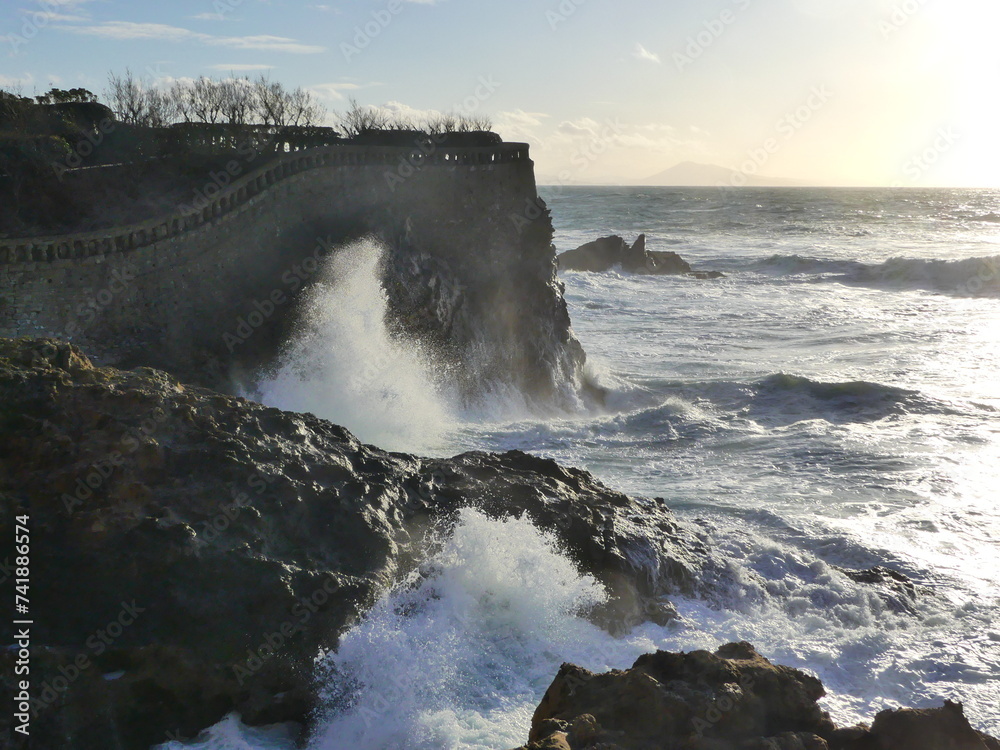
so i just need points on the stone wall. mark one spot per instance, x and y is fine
(211, 289)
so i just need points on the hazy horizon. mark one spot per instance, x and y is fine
(827, 92)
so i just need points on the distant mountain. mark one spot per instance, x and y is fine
(691, 174)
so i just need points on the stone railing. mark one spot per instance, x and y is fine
(241, 190)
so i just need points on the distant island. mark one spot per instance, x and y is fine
(693, 174)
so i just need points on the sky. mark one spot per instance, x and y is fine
(827, 92)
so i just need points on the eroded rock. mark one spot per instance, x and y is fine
(192, 551)
(734, 699)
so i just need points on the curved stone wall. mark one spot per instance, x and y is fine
(211, 291)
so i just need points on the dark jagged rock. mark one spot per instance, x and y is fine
(597, 256)
(896, 589)
(608, 252)
(191, 551)
(734, 699)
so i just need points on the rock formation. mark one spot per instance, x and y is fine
(193, 551)
(608, 252)
(734, 699)
(210, 291)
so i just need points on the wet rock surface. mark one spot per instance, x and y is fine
(734, 699)
(191, 551)
(607, 252)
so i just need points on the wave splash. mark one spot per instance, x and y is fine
(460, 653)
(343, 364)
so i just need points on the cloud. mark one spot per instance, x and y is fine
(16, 81)
(51, 16)
(62, 3)
(240, 67)
(127, 30)
(208, 17)
(333, 90)
(642, 53)
(520, 118)
(584, 127)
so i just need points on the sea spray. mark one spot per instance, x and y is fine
(343, 364)
(461, 653)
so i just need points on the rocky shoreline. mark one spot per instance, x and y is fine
(193, 552)
(734, 699)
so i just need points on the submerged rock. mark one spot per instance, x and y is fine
(191, 552)
(607, 252)
(895, 589)
(734, 699)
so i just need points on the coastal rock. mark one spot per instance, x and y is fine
(896, 589)
(729, 700)
(191, 552)
(597, 256)
(607, 252)
(734, 699)
(944, 728)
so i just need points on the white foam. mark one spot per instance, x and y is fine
(460, 655)
(345, 366)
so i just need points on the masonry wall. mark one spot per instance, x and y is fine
(216, 286)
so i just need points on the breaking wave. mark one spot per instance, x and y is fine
(967, 277)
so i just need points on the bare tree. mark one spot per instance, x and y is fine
(304, 109)
(359, 119)
(271, 102)
(206, 100)
(126, 95)
(233, 101)
(472, 123)
(161, 109)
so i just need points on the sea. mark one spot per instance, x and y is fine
(831, 403)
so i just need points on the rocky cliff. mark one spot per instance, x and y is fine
(191, 552)
(212, 288)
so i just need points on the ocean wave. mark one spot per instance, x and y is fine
(967, 277)
(781, 398)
